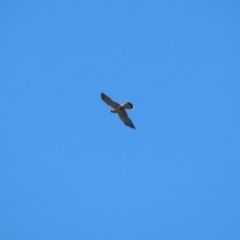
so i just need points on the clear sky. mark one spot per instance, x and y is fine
(70, 169)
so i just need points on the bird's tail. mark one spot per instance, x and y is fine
(128, 105)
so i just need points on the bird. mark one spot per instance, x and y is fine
(119, 109)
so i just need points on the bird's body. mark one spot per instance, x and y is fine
(120, 109)
(116, 109)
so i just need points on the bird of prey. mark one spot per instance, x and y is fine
(119, 109)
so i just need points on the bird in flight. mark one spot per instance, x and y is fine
(119, 109)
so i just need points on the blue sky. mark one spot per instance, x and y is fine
(69, 169)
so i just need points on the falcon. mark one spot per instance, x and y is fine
(119, 109)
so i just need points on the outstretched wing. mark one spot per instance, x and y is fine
(109, 101)
(124, 117)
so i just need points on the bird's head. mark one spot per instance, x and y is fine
(112, 110)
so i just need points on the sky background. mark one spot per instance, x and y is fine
(70, 169)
